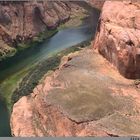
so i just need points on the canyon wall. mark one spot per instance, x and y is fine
(118, 36)
(21, 22)
(85, 96)
(96, 3)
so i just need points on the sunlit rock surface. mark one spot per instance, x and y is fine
(86, 96)
(118, 36)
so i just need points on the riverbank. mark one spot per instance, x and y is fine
(40, 38)
(69, 14)
(23, 82)
(32, 78)
(16, 83)
(29, 77)
(11, 83)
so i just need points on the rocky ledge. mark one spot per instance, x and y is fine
(118, 36)
(85, 96)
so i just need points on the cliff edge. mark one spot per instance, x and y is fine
(118, 36)
(86, 96)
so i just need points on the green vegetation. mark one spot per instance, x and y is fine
(10, 84)
(76, 19)
(23, 82)
(37, 39)
(33, 77)
(6, 50)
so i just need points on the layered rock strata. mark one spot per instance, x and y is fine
(118, 36)
(21, 22)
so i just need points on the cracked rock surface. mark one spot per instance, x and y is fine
(118, 36)
(86, 96)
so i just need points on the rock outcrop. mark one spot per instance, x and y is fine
(86, 96)
(5, 43)
(96, 3)
(118, 36)
(24, 21)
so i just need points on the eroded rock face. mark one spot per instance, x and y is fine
(86, 96)
(21, 21)
(26, 19)
(96, 3)
(118, 36)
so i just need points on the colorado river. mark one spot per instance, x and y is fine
(11, 70)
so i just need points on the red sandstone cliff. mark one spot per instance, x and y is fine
(96, 3)
(21, 21)
(118, 36)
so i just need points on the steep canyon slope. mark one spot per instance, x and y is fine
(23, 22)
(118, 36)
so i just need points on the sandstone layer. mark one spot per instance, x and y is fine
(118, 36)
(86, 96)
